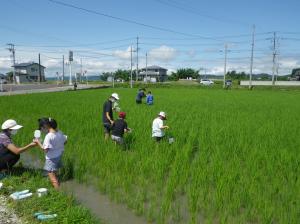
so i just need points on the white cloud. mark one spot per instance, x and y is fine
(163, 53)
(123, 54)
(5, 63)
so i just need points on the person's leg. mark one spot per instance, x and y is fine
(106, 131)
(8, 160)
(53, 179)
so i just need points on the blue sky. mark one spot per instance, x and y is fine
(173, 33)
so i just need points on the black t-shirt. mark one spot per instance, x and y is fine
(140, 95)
(107, 107)
(118, 128)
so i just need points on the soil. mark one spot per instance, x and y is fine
(7, 215)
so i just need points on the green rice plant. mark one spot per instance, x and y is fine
(235, 157)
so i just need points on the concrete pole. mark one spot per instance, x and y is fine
(225, 65)
(251, 62)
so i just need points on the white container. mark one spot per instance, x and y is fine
(171, 140)
(37, 134)
(41, 192)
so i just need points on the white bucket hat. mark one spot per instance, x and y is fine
(162, 114)
(11, 124)
(115, 95)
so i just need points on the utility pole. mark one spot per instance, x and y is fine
(251, 62)
(70, 66)
(63, 69)
(81, 72)
(225, 64)
(131, 66)
(137, 58)
(11, 48)
(274, 58)
(40, 75)
(146, 67)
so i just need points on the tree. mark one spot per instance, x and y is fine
(237, 76)
(104, 76)
(184, 73)
(9, 76)
(122, 74)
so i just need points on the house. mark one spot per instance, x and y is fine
(29, 72)
(3, 78)
(154, 74)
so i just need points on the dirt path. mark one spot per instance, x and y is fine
(7, 215)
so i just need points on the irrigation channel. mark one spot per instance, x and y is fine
(99, 204)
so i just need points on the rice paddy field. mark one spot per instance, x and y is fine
(235, 158)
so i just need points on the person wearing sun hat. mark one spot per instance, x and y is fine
(9, 152)
(119, 128)
(158, 126)
(107, 115)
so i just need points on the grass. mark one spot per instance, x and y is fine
(235, 158)
(55, 202)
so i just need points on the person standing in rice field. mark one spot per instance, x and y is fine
(53, 146)
(149, 98)
(107, 115)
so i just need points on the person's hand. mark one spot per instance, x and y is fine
(166, 127)
(35, 141)
(111, 122)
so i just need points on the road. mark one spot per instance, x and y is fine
(10, 89)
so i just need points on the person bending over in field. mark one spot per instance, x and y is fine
(119, 128)
(107, 115)
(9, 152)
(158, 126)
(140, 96)
(53, 146)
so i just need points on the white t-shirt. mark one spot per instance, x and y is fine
(55, 143)
(156, 128)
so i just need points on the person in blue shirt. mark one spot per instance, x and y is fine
(149, 98)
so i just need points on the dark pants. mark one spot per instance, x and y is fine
(158, 139)
(138, 101)
(8, 160)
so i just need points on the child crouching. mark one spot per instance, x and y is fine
(119, 128)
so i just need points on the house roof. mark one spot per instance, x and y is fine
(24, 65)
(155, 67)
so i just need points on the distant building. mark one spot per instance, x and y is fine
(29, 72)
(3, 78)
(154, 72)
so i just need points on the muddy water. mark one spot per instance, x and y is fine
(99, 204)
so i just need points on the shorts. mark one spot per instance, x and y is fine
(52, 165)
(107, 128)
(117, 139)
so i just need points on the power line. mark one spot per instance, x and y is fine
(126, 20)
(190, 10)
(77, 45)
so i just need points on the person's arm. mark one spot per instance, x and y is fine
(126, 129)
(39, 144)
(162, 126)
(109, 118)
(107, 110)
(16, 150)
